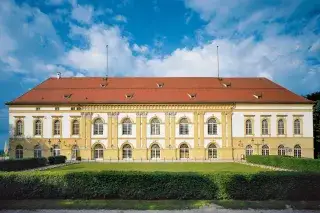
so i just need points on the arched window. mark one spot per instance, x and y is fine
(74, 152)
(19, 128)
(248, 127)
(75, 127)
(265, 150)
(126, 152)
(184, 151)
(155, 127)
(38, 127)
(297, 151)
(98, 127)
(212, 127)
(56, 150)
(98, 151)
(281, 150)
(297, 127)
(56, 127)
(280, 127)
(37, 152)
(212, 151)
(155, 151)
(19, 152)
(184, 127)
(265, 128)
(249, 150)
(126, 127)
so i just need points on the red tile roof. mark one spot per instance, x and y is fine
(97, 90)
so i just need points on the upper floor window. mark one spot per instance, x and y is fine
(248, 127)
(212, 126)
(38, 127)
(297, 127)
(98, 127)
(184, 126)
(75, 127)
(126, 127)
(265, 128)
(280, 127)
(56, 127)
(155, 127)
(19, 127)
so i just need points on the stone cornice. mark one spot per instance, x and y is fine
(161, 107)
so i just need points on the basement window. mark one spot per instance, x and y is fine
(129, 96)
(192, 95)
(160, 85)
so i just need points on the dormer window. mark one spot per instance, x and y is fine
(103, 85)
(56, 108)
(129, 96)
(226, 84)
(160, 85)
(192, 95)
(257, 95)
(67, 96)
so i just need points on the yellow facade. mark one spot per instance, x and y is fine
(232, 148)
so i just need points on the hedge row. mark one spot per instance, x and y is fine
(156, 185)
(57, 159)
(298, 164)
(17, 165)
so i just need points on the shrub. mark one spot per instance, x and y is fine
(299, 164)
(57, 159)
(22, 164)
(78, 158)
(160, 185)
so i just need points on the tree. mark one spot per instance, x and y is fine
(316, 121)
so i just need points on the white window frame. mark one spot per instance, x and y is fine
(155, 127)
(184, 126)
(281, 150)
(265, 151)
(56, 150)
(98, 127)
(155, 151)
(184, 151)
(264, 127)
(98, 152)
(127, 127)
(19, 128)
(297, 126)
(249, 150)
(212, 126)
(75, 127)
(38, 128)
(248, 127)
(212, 151)
(19, 152)
(37, 152)
(56, 127)
(281, 127)
(127, 152)
(297, 151)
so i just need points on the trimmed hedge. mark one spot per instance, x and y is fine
(299, 164)
(22, 164)
(57, 159)
(160, 185)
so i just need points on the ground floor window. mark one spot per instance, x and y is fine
(212, 151)
(249, 150)
(281, 150)
(297, 151)
(37, 152)
(56, 150)
(126, 152)
(184, 151)
(19, 152)
(265, 150)
(98, 151)
(155, 151)
(74, 152)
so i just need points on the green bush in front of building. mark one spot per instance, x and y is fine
(286, 162)
(22, 164)
(160, 185)
(57, 159)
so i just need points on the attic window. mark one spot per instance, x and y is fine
(73, 108)
(37, 108)
(78, 108)
(257, 95)
(129, 96)
(67, 96)
(160, 85)
(57, 109)
(192, 95)
(226, 84)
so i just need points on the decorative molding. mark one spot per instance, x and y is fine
(142, 114)
(161, 107)
(113, 114)
(86, 114)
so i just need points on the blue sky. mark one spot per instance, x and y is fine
(278, 39)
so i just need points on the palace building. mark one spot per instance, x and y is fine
(150, 118)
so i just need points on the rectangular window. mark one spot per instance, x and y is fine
(183, 129)
(37, 108)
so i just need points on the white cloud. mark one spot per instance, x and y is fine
(55, 2)
(82, 14)
(143, 49)
(120, 18)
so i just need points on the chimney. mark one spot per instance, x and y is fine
(58, 75)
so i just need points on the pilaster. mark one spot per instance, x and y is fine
(110, 130)
(229, 129)
(167, 130)
(144, 129)
(87, 128)
(172, 128)
(223, 128)
(201, 131)
(115, 128)
(196, 128)
(138, 129)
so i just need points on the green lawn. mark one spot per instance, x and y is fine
(169, 167)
